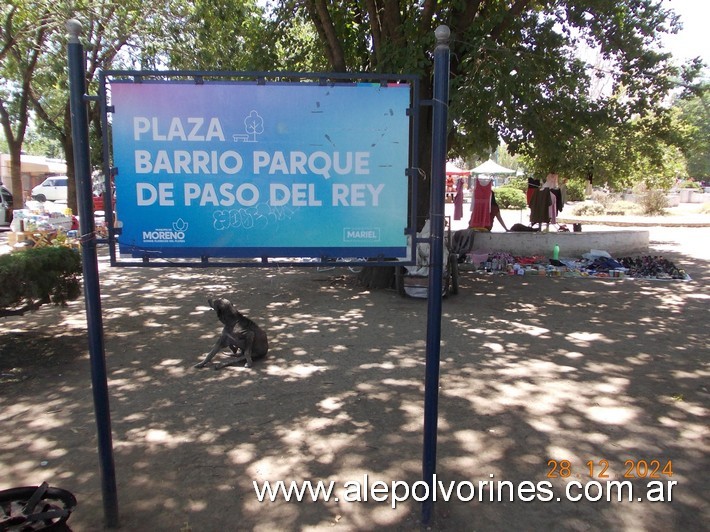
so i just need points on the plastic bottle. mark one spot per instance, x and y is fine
(556, 252)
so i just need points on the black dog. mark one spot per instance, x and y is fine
(244, 337)
(520, 228)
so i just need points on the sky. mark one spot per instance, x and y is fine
(694, 39)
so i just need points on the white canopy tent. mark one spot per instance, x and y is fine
(491, 168)
(452, 169)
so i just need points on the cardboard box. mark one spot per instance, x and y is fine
(14, 238)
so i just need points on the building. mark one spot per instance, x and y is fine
(35, 169)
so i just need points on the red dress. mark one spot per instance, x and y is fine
(481, 205)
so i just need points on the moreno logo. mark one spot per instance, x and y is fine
(176, 233)
(163, 235)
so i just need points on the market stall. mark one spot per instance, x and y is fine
(454, 180)
(594, 264)
(37, 226)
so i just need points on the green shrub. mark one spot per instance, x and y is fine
(510, 198)
(588, 209)
(576, 190)
(653, 202)
(32, 277)
(689, 183)
(519, 182)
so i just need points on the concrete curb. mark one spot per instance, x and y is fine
(617, 243)
(627, 221)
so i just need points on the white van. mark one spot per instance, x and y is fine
(5, 206)
(53, 189)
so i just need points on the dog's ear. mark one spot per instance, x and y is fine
(224, 309)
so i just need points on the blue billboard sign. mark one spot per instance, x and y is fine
(256, 170)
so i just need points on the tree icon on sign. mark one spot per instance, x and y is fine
(254, 125)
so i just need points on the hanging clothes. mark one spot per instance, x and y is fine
(552, 181)
(557, 192)
(458, 200)
(481, 204)
(552, 184)
(533, 185)
(540, 206)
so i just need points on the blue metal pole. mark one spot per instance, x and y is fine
(82, 169)
(436, 270)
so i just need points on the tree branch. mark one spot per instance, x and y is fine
(464, 19)
(6, 34)
(375, 30)
(515, 10)
(42, 113)
(392, 22)
(318, 11)
(428, 10)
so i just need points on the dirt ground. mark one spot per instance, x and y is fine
(533, 370)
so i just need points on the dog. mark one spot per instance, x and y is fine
(520, 228)
(244, 337)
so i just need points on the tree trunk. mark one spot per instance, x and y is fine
(14, 145)
(18, 198)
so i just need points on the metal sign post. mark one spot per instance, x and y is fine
(82, 169)
(433, 340)
(250, 176)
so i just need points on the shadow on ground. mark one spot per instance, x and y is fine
(533, 370)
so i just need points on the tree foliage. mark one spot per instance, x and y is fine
(240, 35)
(517, 73)
(619, 155)
(521, 70)
(115, 34)
(24, 30)
(214, 35)
(695, 112)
